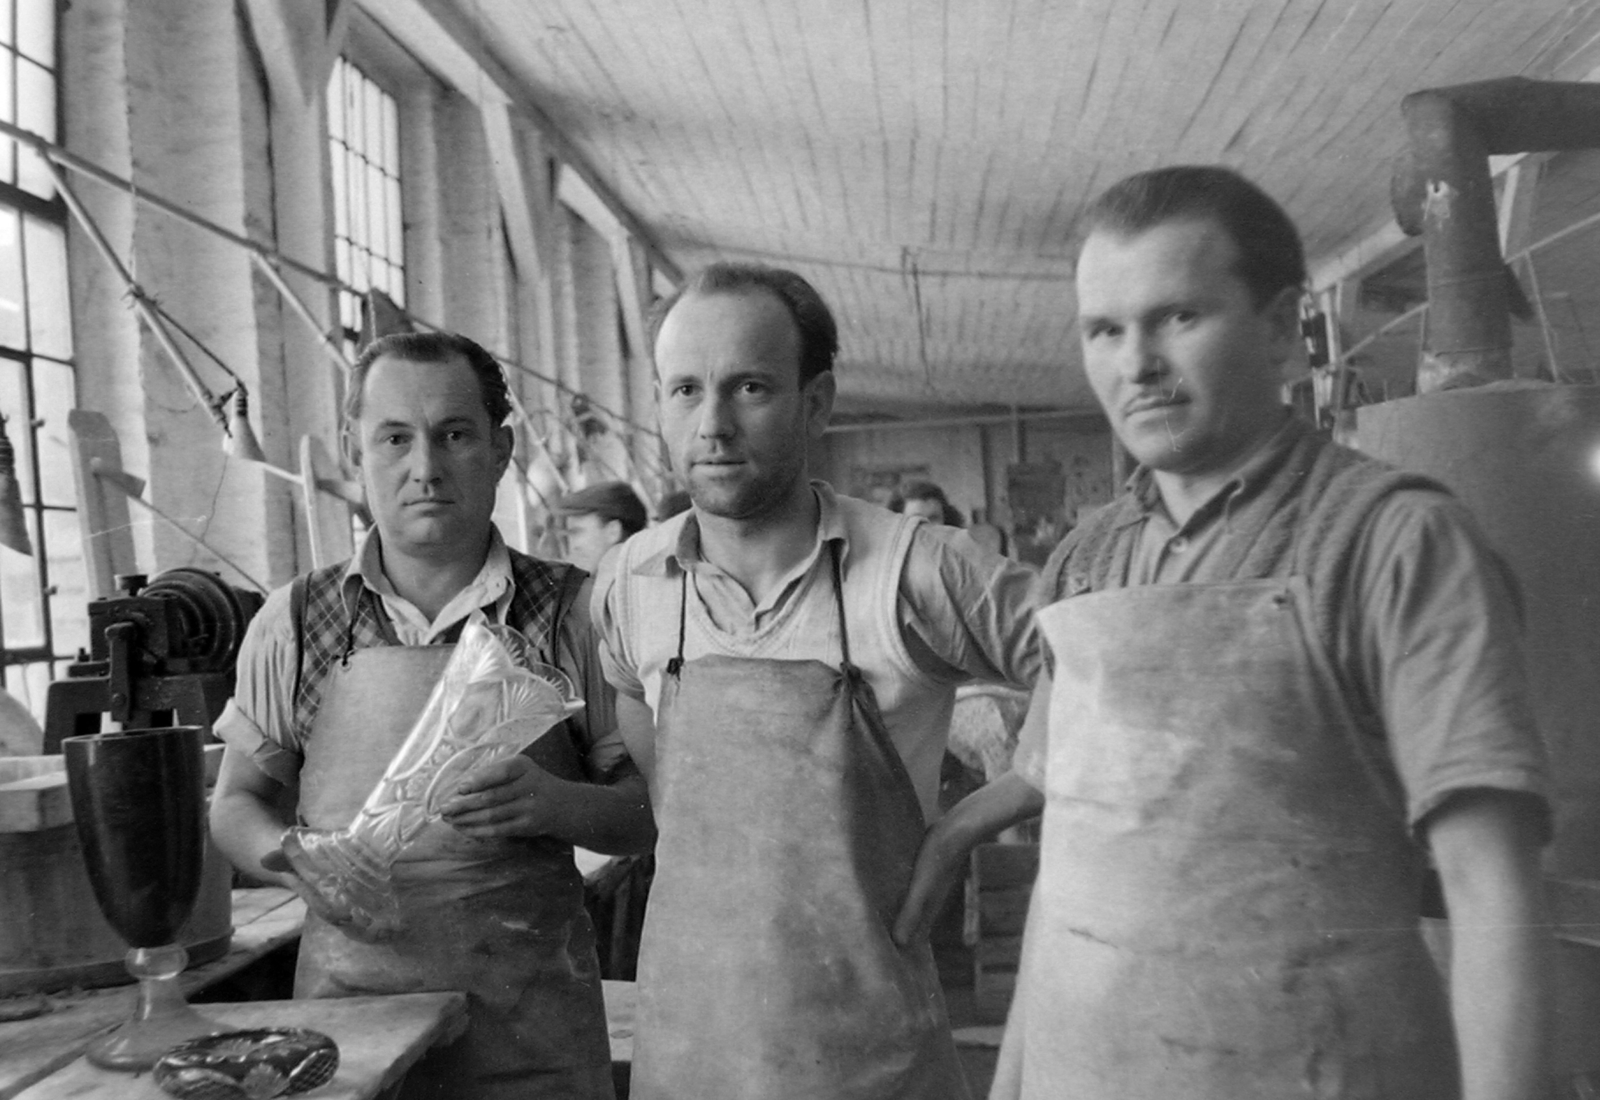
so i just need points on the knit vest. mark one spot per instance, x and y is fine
(541, 593)
(1310, 521)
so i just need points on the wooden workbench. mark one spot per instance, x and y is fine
(379, 1039)
(263, 920)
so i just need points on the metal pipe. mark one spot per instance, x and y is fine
(1442, 190)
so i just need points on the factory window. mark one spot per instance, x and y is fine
(43, 595)
(364, 132)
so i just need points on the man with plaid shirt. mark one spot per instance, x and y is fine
(331, 676)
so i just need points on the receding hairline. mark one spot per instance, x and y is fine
(451, 356)
(744, 290)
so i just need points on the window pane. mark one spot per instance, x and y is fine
(335, 104)
(36, 30)
(389, 154)
(341, 218)
(352, 109)
(13, 331)
(28, 683)
(8, 111)
(14, 407)
(397, 247)
(5, 20)
(49, 326)
(371, 120)
(54, 395)
(20, 596)
(69, 582)
(377, 221)
(36, 102)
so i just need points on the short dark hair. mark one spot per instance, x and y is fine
(819, 335)
(927, 490)
(433, 347)
(1271, 256)
(610, 500)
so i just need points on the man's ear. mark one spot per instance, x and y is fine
(1282, 314)
(818, 395)
(350, 446)
(503, 441)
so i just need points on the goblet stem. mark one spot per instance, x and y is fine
(163, 1018)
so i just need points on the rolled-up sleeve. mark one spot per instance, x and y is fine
(259, 720)
(615, 661)
(966, 612)
(598, 719)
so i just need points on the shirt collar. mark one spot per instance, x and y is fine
(682, 554)
(1144, 496)
(365, 570)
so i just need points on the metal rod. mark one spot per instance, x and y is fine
(1421, 307)
(56, 155)
(1544, 320)
(136, 293)
(182, 530)
(964, 421)
(296, 303)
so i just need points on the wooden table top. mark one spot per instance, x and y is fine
(379, 1038)
(264, 918)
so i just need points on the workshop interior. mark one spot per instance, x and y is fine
(208, 211)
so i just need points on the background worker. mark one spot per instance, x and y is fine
(925, 499)
(786, 662)
(597, 517)
(1282, 677)
(333, 672)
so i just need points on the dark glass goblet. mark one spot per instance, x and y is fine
(138, 797)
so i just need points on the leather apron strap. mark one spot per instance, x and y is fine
(788, 828)
(502, 920)
(1227, 896)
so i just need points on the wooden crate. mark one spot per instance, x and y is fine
(999, 886)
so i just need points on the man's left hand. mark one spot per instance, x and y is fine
(510, 797)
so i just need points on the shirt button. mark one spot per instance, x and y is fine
(1179, 544)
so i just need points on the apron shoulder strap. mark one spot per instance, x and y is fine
(838, 599)
(297, 618)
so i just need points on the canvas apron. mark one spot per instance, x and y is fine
(788, 828)
(502, 920)
(1227, 898)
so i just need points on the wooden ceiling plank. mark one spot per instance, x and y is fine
(1286, 115)
(586, 63)
(840, 116)
(1122, 76)
(1265, 39)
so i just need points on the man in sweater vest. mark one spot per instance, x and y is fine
(1283, 679)
(334, 671)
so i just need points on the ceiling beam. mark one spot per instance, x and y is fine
(441, 39)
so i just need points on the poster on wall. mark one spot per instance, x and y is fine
(1037, 492)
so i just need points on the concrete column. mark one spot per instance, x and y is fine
(471, 244)
(172, 80)
(602, 369)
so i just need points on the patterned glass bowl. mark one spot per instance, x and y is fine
(248, 1065)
